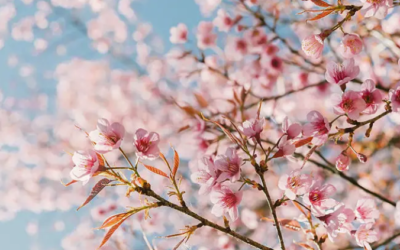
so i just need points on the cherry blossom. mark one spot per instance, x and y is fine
(205, 36)
(371, 96)
(313, 45)
(295, 184)
(292, 130)
(206, 175)
(318, 127)
(225, 201)
(351, 45)
(349, 103)
(318, 198)
(338, 221)
(365, 235)
(366, 211)
(285, 146)
(377, 8)
(86, 164)
(146, 144)
(179, 34)
(107, 136)
(343, 161)
(223, 21)
(341, 73)
(394, 96)
(252, 128)
(229, 165)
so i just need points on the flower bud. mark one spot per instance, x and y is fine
(362, 158)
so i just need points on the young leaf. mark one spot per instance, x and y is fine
(69, 183)
(306, 246)
(321, 15)
(110, 232)
(155, 170)
(201, 100)
(303, 142)
(111, 221)
(321, 3)
(96, 189)
(176, 163)
(162, 156)
(308, 155)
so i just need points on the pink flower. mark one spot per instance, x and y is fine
(371, 96)
(205, 36)
(107, 136)
(285, 147)
(343, 161)
(223, 21)
(313, 45)
(178, 34)
(295, 184)
(206, 175)
(394, 96)
(86, 164)
(366, 211)
(292, 130)
(318, 127)
(351, 45)
(146, 144)
(365, 235)
(252, 128)
(225, 201)
(349, 103)
(229, 165)
(377, 8)
(338, 221)
(339, 74)
(318, 198)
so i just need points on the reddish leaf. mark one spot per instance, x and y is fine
(321, 3)
(110, 232)
(308, 155)
(201, 100)
(69, 183)
(111, 221)
(321, 15)
(176, 163)
(183, 128)
(278, 154)
(162, 156)
(96, 189)
(292, 225)
(155, 170)
(101, 160)
(303, 142)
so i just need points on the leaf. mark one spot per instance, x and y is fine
(111, 232)
(69, 183)
(201, 100)
(321, 3)
(183, 128)
(162, 156)
(111, 221)
(278, 154)
(176, 163)
(101, 159)
(306, 246)
(303, 142)
(289, 224)
(321, 15)
(155, 170)
(95, 190)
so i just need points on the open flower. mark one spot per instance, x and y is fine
(349, 103)
(285, 146)
(313, 45)
(338, 221)
(107, 136)
(365, 235)
(371, 95)
(178, 34)
(252, 128)
(146, 144)
(394, 96)
(205, 36)
(225, 201)
(377, 8)
(343, 161)
(319, 198)
(295, 184)
(292, 130)
(223, 21)
(318, 127)
(341, 73)
(86, 164)
(206, 175)
(366, 211)
(351, 45)
(229, 165)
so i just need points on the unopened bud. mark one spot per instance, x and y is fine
(362, 158)
(352, 122)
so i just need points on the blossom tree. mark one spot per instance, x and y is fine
(270, 125)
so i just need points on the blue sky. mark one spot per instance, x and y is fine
(162, 14)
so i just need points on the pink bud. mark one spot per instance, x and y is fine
(362, 158)
(313, 45)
